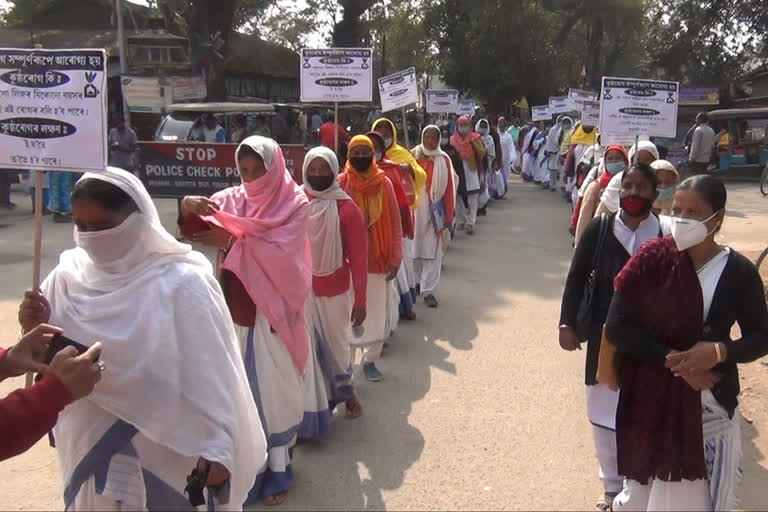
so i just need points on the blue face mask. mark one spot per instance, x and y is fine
(666, 193)
(615, 168)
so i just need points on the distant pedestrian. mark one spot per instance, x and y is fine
(702, 144)
(123, 144)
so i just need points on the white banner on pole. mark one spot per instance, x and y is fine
(559, 105)
(398, 89)
(540, 113)
(53, 106)
(590, 113)
(576, 97)
(465, 108)
(634, 106)
(442, 101)
(336, 75)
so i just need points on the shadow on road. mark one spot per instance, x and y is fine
(363, 459)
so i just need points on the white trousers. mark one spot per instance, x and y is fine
(601, 410)
(428, 270)
(382, 298)
(468, 215)
(663, 496)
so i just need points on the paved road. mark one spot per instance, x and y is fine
(479, 408)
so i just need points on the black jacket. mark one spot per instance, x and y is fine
(739, 298)
(612, 259)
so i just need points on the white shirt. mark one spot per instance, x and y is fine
(702, 144)
(709, 275)
(633, 240)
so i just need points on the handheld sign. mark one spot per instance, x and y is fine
(590, 113)
(465, 107)
(442, 101)
(576, 98)
(559, 105)
(398, 90)
(540, 113)
(336, 75)
(639, 107)
(52, 109)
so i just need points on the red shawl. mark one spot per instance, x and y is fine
(658, 421)
(392, 170)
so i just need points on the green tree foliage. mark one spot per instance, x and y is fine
(706, 42)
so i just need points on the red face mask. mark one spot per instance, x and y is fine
(636, 206)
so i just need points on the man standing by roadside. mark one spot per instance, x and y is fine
(123, 144)
(702, 144)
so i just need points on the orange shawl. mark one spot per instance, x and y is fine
(367, 190)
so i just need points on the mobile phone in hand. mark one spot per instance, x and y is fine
(58, 343)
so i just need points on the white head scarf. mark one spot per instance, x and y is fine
(324, 225)
(167, 334)
(441, 170)
(643, 145)
(610, 197)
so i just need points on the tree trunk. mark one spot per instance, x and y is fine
(348, 33)
(212, 27)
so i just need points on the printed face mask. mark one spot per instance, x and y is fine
(635, 205)
(690, 232)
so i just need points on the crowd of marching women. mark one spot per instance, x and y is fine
(654, 297)
(209, 376)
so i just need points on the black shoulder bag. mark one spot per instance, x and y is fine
(586, 310)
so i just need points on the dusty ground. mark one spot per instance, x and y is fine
(479, 408)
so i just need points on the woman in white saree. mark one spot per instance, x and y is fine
(174, 394)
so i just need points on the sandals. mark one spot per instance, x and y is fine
(275, 499)
(605, 501)
(354, 408)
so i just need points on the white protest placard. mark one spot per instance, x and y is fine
(540, 113)
(336, 75)
(186, 88)
(398, 89)
(634, 106)
(53, 107)
(590, 113)
(442, 101)
(465, 108)
(559, 104)
(576, 97)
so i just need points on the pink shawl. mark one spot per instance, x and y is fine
(463, 143)
(271, 257)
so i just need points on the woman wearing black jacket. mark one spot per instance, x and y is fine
(676, 301)
(622, 234)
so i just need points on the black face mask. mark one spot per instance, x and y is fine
(361, 163)
(319, 183)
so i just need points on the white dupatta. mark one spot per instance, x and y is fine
(440, 172)
(324, 225)
(174, 370)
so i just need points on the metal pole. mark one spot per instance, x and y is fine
(123, 57)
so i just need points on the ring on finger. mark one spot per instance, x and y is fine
(101, 366)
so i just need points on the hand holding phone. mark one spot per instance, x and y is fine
(79, 373)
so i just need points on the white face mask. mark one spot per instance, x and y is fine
(110, 245)
(388, 142)
(379, 156)
(690, 232)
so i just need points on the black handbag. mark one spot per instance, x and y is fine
(586, 313)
